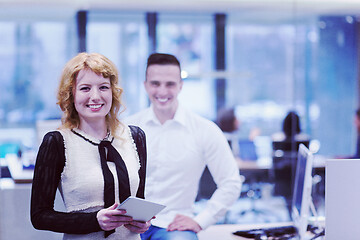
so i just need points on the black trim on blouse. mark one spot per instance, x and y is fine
(88, 140)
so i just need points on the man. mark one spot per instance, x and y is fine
(180, 144)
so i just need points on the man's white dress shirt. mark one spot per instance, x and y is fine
(178, 152)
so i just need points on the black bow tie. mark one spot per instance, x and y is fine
(122, 174)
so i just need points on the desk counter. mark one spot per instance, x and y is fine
(18, 173)
(15, 213)
(224, 231)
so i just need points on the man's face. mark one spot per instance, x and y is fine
(163, 84)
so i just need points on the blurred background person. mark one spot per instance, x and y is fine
(285, 147)
(229, 124)
(291, 129)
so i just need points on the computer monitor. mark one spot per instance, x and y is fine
(301, 202)
(289, 145)
(301, 199)
(247, 150)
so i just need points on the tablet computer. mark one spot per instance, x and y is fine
(140, 209)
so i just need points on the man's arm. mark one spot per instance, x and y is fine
(225, 172)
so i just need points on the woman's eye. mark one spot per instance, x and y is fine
(104, 87)
(84, 89)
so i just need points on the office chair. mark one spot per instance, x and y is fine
(284, 167)
(207, 186)
(253, 183)
(254, 180)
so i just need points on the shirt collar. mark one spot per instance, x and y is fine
(180, 116)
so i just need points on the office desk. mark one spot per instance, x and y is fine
(18, 173)
(266, 164)
(15, 213)
(224, 231)
(262, 171)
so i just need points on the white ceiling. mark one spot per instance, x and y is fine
(254, 8)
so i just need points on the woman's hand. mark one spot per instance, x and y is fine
(138, 227)
(111, 218)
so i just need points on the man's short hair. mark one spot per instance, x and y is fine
(162, 59)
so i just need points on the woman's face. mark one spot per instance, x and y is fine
(92, 96)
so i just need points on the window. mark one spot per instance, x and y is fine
(123, 39)
(284, 66)
(32, 55)
(190, 39)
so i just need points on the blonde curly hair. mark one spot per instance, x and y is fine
(99, 64)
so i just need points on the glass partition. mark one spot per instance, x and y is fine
(122, 37)
(190, 37)
(275, 67)
(261, 69)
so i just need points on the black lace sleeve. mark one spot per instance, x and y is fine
(50, 162)
(140, 141)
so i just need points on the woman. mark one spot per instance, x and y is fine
(291, 131)
(94, 160)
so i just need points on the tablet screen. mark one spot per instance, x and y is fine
(140, 209)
